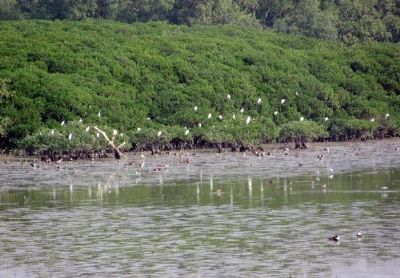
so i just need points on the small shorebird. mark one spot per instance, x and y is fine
(335, 238)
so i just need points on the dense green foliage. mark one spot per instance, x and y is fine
(53, 71)
(302, 131)
(347, 20)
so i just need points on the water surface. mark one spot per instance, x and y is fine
(220, 215)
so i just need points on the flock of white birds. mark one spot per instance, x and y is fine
(209, 116)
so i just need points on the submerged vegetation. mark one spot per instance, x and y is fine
(166, 86)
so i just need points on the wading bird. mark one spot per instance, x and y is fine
(248, 120)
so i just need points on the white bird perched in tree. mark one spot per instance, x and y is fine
(296, 93)
(186, 131)
(62, 123)
(209, 115)
(115, 132)
(234, 116)
(80, 120)
(159, 133)
(70, 136)
(283, 101)
(148, 119)
(301, 119)
(326, 119)
(275, 113)
(242, 110)
(121, 135)
(220, 117)
(52, 132)
(98, 135)
(372, 120)
(228, 96)
(99, 114)
(87, 129)
(387, 115)
(259, 101)
(199, 124)
(248, 120)
(195, 108)
(138, 129)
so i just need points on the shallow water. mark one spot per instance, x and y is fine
(221, 215)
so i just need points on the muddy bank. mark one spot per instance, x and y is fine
(321, 159)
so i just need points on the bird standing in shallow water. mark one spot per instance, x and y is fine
(335, 238)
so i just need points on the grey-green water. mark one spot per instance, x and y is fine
(221, 215)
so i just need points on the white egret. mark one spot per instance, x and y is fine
(195, 108)
(209, 115)
(234, 116)
(187, 132)
(326, 119)
(228, 96)
(87, 129)
(296, 93)
(372, 120)
(70, 136)
(80, 120)
(259, 101)
(138, 129)
(248, 120)
(62, 123)
(387, 115)
(52, 132)
(99, 114)
(121, 134)
(283, 101)
(148, 119)
(275, 113)
(159, 133)
(220, 117)
(98, 135)
(115, 132)
(242, 110)
(301, 119)
(199, 124)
